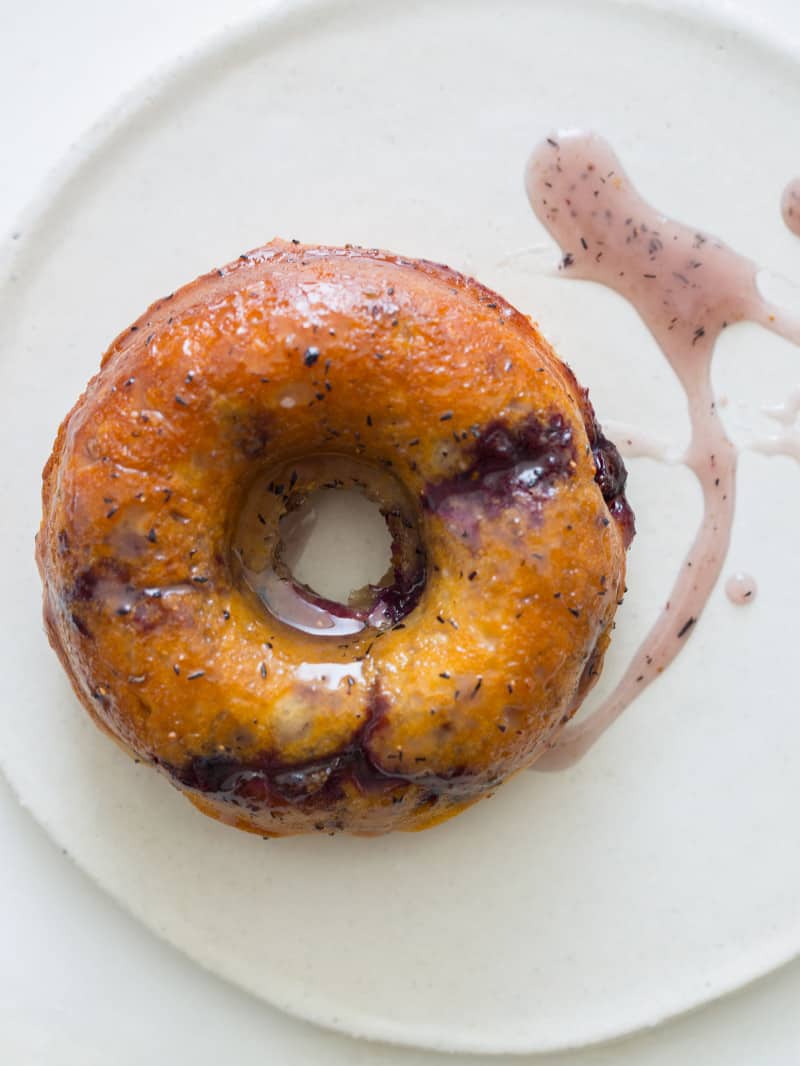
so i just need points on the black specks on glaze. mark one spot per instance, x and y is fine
(85, 585)
(269, 578)
(519, 463)
(388, 604)
(107, 585)
(266, 781)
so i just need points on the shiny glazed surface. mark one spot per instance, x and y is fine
(464, 674)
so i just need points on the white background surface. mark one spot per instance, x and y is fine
(79, 981)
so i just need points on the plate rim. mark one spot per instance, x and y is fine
(49, 193)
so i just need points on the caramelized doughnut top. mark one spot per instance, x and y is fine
(220, 410)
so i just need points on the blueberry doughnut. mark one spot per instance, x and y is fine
(166, 500)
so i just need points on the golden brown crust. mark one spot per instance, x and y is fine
(172, 656)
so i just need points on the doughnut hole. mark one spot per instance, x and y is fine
(337, 544)
(330, 546)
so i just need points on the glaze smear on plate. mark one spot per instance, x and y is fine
(688, 287)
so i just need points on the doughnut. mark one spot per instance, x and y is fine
(172, 483)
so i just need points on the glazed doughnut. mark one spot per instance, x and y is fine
(211, 421)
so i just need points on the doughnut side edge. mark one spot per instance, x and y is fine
(350, 772)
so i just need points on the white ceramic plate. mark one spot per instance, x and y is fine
(665, 869)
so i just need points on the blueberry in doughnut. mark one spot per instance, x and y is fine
(166, 501)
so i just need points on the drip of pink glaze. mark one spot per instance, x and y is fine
(790, 206)
(687, 287)
(741, 589)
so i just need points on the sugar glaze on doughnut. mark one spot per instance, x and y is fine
(211, 420)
